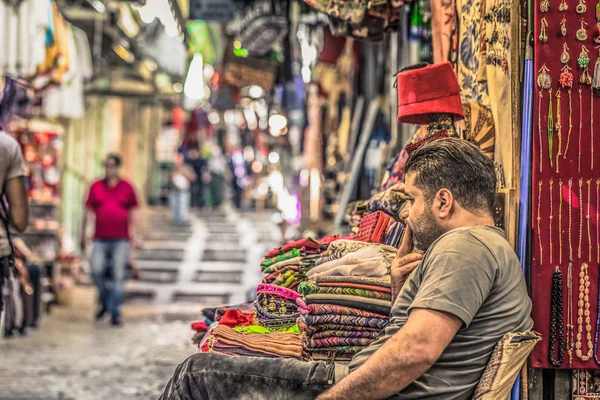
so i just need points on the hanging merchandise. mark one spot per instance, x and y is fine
(259, 26)
(565, 240)
(25, 25)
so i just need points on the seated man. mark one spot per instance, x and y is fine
(452, 305)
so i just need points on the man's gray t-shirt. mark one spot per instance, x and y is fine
(11, 166)
(474, 274)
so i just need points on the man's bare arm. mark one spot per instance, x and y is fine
(401, 360)
(16, 193)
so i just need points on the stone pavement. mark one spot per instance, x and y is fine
(213, 261)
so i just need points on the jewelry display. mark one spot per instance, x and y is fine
(558, 129)
(563, 26)
(592, 130)
(545, 6)
(587, 217)
(581, 7)
(570, 219)
(566, 81)
(583, 309)
(539, 219)
(550, 219)
(570, 324)
(556, 321)
(563, 6)
(581, 33)
(560, 207)
(543, 35)
(550, 128)
(580, 217)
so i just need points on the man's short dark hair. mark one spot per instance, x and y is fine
(115, 158)
(458, 166)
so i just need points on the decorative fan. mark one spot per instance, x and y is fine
(480, 128)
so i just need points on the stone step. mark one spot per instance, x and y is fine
(158, 254)
(203, 298)
(155, 276)
(218, 276)
(139, 295)
(164, 244)
(234, 255)
(170, 236)
(234, 239)
(158, 265)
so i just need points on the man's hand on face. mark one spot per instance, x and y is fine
(404, 263)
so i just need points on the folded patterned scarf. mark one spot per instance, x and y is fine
(345, 334)
(294, 253)
(337, 341)
(337, 350)
(306, 245)
(378, 323)
(372, 260)
(361, 303)
(306, 288)
(319, 309)
(356, 286)
(274, 344)
(311, 329)
(384, 281)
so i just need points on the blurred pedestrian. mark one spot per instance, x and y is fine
(199, 166)
(14, 214)
(218, 168)
(111, 201)
(182, 178)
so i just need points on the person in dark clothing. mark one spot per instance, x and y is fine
(199, 165)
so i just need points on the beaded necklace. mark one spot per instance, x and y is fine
(583, 309)
(556, 321)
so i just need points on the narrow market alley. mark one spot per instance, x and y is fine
(184, 269)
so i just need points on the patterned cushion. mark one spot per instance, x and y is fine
(506, 361)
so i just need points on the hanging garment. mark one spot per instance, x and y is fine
(23, 29)
(391, 201)
(67, 100)
(443, 25)
(469, 55)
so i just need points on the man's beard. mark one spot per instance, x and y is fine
(426, 230)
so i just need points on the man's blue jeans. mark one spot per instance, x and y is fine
(112, 254)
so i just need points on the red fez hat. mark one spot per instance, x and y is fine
(429, 90)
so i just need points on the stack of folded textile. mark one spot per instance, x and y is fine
(276, 306)
(340, 315)
(284, 269)
(231, 316)
(256, 341)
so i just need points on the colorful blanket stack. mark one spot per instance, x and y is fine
(341, 315)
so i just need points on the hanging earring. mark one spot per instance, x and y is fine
(563, 26)
(597, 38)
(581, 32)
(563, 6)
(584, 58)
(544, 79)
(566, 81)
(543, 36)
(581, 7)
(585, 78)
(565, 56)
(545, 6)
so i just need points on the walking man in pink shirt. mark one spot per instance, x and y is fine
(112, 201)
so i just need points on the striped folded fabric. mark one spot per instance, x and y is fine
(378, 323)
(319, 309)
(306, 288)
(275, 344)
(310, 329)
(336, 350)
(345, 334)
(384, 281)
(337, 341)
